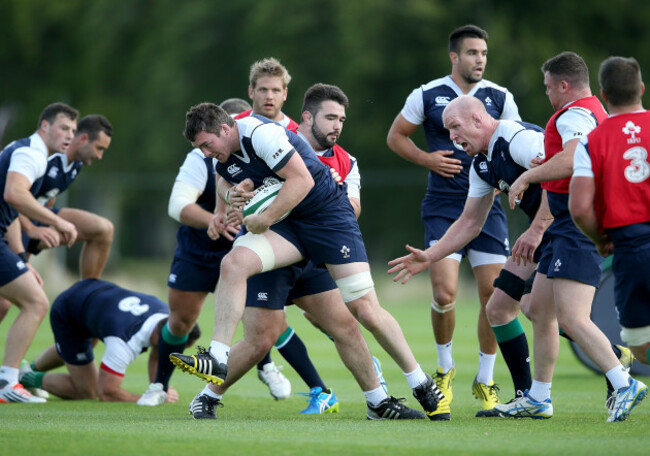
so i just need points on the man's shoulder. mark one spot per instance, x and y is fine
(489, 85)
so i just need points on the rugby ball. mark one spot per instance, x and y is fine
(264, 196)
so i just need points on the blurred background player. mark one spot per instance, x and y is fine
(126, 321)
(445, 198)
(22, 167)
(609, 195)
(91, 140)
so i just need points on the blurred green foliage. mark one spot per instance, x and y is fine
(142, 63)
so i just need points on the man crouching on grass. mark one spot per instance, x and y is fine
(126, 321)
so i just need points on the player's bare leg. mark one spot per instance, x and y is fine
(96, 233)
(573, 305)
(444, 282)
(331, 314)
(545, 328)
(30, 298)
(262, 327)
(80, 383)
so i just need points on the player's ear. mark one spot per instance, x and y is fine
(453, 57)
(307, 117)
(250, 91)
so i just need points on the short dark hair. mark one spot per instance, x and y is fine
(206, 117)
(620, 80)
(50, 112)
(568, 66)
(466, 31)
(93, 124)
(235, 105)
(316, 94)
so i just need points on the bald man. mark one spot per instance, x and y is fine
(502, 150)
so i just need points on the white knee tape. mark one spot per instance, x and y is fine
(261, 246)
(635, 336)
(355, 286)
(442, 309)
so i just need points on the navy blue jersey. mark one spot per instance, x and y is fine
(499, 169)
(425, 106)
(267, 149)
(104, 309)
(123, 319)
(7, 213)
(194, 244)
(58, 176)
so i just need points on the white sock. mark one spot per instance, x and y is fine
(618, 377)
(219, 351)
(485, 367)
(9, 374)
(374, 397)
(540, 391)
(208, 392)
(415, 378)
(445, 360)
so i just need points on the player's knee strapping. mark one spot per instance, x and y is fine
(355, 286)
(261, 246)
(442, 309)
(510, 284)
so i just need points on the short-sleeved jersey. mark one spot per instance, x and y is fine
(58, 176)
(27, 156)
(573, 121)
(287, 122)
(194, 244)
(123, 319)
(265, 148)
(617, 153)
(512, 146)
(425, 105)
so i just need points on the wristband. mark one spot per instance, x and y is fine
(23, 256)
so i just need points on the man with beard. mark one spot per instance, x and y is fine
(314, 291)
(445, 198)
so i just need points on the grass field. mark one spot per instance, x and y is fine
(252, 423)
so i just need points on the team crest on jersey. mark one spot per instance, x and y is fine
(488, 101)
(442, 101)
(632, 130)
(53, 172)
(234, 169)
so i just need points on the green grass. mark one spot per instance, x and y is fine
(252, 423)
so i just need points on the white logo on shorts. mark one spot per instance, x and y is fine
(345, 250)
(558, 264)
(262, 296)
(172, 278)
(81, 357)
(20, 265)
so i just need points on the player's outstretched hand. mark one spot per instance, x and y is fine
(440, 162)
(407, 266)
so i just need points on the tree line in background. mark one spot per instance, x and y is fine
(142, 63)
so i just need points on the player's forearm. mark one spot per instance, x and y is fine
(459, 234)
(195, 216)
(23, 201)
(405, 147)
(543, 217)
